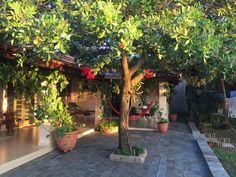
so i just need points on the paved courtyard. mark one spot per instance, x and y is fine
(174, 154)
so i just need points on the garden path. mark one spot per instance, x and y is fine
(174, 154)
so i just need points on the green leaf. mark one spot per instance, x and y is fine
(176, 46)
(187, 42)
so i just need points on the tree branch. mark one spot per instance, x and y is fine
(124, 64)
(137, 79)
(136, 67)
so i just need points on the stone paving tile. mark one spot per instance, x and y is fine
(174, 154)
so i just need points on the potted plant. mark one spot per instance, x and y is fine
(163, 125)
(108, 127)
(204, 127)
(160, 121)
(173, 117)
(53, 111)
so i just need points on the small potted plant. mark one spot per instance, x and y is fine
(53, 111)
(163, 125)
(204, 127)
(161, 122)
(173, 117)
(108, 127)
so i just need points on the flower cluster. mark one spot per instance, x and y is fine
(86, 71)
(149, 73)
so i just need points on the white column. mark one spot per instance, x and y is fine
(46, 135)
(163, 104)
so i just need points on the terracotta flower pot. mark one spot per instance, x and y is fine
(173, 117)
(68, 141)
(163, 127)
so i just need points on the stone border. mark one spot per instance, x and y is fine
(143, 129)
(129, 159)
(24, 159)
(214, 165)
(80, 135)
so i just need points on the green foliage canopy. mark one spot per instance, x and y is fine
(195, 38)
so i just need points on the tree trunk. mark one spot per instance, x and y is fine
(225, 124)
(124, 138)
(225, 104)
(128, 83)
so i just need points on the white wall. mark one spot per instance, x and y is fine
(163, 104)
(232, 106)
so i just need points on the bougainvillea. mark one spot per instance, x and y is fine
(87, 72)
(149, 73)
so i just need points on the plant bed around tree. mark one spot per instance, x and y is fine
(138, 156)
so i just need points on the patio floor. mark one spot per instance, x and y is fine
(22, 142)
(174, 154)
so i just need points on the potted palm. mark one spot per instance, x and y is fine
(53, 111)
(163, 125)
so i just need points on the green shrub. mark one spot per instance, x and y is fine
(136, 150)
(105, 124)
(164, 120)
(205, 125)
(216, 120)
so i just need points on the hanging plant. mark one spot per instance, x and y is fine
(52, 109)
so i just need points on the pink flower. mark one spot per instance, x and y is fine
(90, 75)
(87, 72)
(148, 76)
(149, 73)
